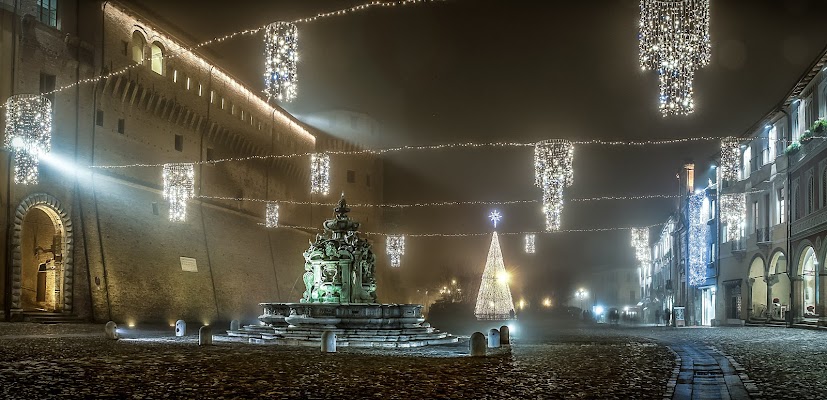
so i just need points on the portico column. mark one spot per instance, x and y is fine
(821, 302)
(797, 293)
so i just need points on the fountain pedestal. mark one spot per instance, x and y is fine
(340, 296)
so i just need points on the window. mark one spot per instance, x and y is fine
(189, 83)
(138, 43)
(351, 176)
(124, 47)
(232, 109)
(179, 142)
(48, 12)
(157, 61)
(222, 103)
(121, 125)
(212, 96)
(779, 206)
(794, 207)
(242, 115)
(801, 120)
(175, 76)
(746, 159)
(755, 216)
(200, 90)
(210, 154)
(367, 180)
(99, 118)
(772, 141)
(47, 85)
(811, 194)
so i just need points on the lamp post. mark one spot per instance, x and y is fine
(581, 294)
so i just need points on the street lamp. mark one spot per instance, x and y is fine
(581, 294)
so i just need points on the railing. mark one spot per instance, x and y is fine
(763, 235)
(739, 245)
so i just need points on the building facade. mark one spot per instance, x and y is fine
(97, 242)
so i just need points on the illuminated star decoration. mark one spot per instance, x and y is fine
(674, 42)
(179, 186)
(280, 58)
(495, 217)
(28, 134)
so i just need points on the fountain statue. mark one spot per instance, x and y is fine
(340, 296)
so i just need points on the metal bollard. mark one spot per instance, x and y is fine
(328, 342)
(505, 336)
(111, 330)
(205, 336)
(180, 328)
(477, 344)
(234, 325)
(493, 338)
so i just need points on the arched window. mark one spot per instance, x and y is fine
(811, 194)
(138, 44)
(157, 58)
(824, 187)
(794, 207)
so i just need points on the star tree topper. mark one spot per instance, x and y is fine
(495, 217)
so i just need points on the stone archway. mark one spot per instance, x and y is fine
(808, 273)
(63, 226)
(779, 286)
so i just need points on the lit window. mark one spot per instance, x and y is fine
(222, 103)
(175, 76)
(780, 206)
(189, 83)
(212, 96)
(157, 58)
(747, 158)
(772, 142)
(200, 90)
(48, 12)
(138, 43)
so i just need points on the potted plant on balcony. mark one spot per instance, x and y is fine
(819, 127)
(806, 136)
(792, 148)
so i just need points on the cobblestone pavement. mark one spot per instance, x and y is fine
(75, 361)
(783, 363)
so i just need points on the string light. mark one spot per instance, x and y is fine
(730, 160)
(395, 246)
(494, 298)
(640, 242)
(179, 186)
(733, 213)
(529, 243)
(449, 235)
(280, 58)
(320, 174)
(28, 134)
(674, 41)
(697, 240)
(552, 173)
(271, 217)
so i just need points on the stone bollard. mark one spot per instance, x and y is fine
(234, 325)
(205, 336)
(328, 342)
(111, 330)
(180, 328)
(493, 338)
(477, 344)
(505, 336)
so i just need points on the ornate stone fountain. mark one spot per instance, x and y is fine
(340, 296)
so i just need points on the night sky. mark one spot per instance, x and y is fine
(519, 70)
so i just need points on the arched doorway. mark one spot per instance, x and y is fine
(42, 269)
(758, 293)
(778, 283)
(807, 269)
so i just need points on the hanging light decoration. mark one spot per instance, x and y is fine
(697, 240)
(640, 242)
(529, 244)
(733, 213)
(271, 218)
(28, 134)
(179, 186)
(320, 173)
(730, 160)
(396, 249)
(280, 59)
(553, 172)
(674, 42)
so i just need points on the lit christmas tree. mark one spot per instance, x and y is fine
(494, 299)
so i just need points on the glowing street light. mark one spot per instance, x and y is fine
(547, 302)
(581, 294)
